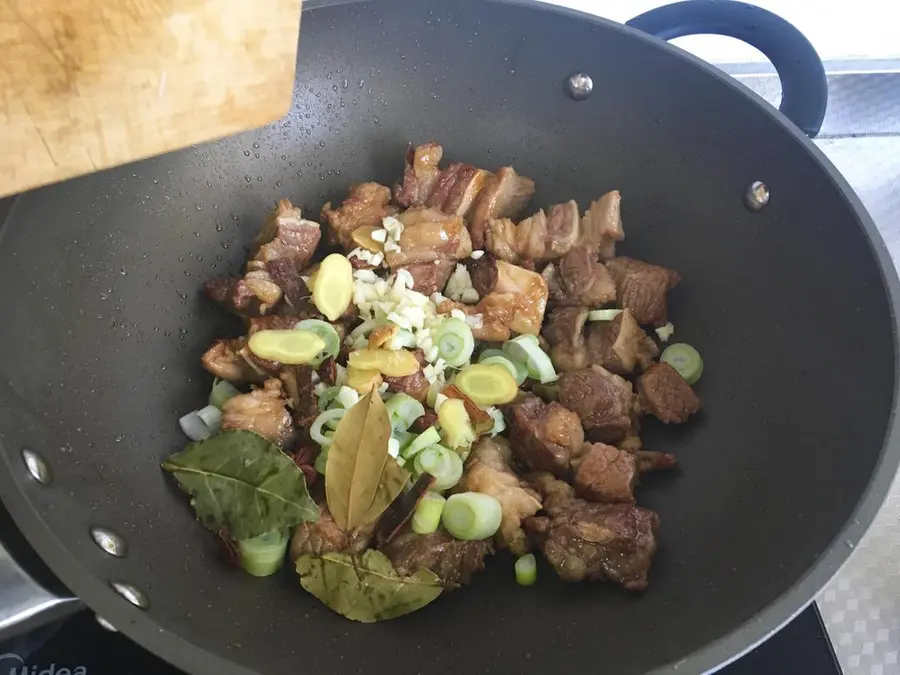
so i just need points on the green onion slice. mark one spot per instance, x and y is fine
(445, 465)
(221, 391)
(526, 570)
(428, 437)
(454, 342)
(526, 350)
(403, 410)
(329, 336)
(263, 555)
(685, 359)
(321, 461)
(315, 431)
(427, 515)
(201, 424)
(471, 515)
(604, 314)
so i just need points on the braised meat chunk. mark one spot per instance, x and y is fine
(366, 206)
(603, 401)
(526, 291)
(431, 277)
(262, 411)
(419, 175)
(323, 535)
(664, 394)
(505, 194)
(564, 331)
(579, 280)
(453, 560)
(489, 470)
(285, 235)
(643, 288)
(225, 360)
(544, 436)
(601, 225)
(457, 188)
(415, 385)
(604, 473)
(598, 542)
(620, 345)
(540, 237)
(429, 235)
(298, 386)
(256, 294)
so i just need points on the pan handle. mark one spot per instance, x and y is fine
(804, 86)
(27, 600)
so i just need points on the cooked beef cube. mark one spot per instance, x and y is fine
(601, 226)
(224, 360)
(453, 560)
(642, 288)
(489, 470)
(457, 188)
(604, 473)
(664, 394)
(365, 206)
(323, 535)
(263, 411)
(544, 436)
(579, 280)
(504, 195)
(420, 175)
(256, 294)
(563, 330)
(414, 385)
(285, 236)
(598, 542)
(601, 399)
(650, 460)
(431, 277)
(298, 385)
(620, 345)
(527, 290)
(287, 275)
(429, 235)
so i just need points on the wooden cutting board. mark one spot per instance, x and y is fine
(90, 84)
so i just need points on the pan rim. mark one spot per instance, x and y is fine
(168, 645)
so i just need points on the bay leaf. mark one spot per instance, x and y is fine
(241, 482)
(393, 478)
(356, 461)
(367, 588)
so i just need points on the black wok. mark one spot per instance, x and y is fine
(793, 308)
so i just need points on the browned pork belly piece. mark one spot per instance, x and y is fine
(489, 471)
(603, 401)
(254, 295)
(604, 473)
(457, 188)
(262, 411)
(601, 226)
(643, 288)
(590, 541)
(579, 280)
(528, 290)
(420, 174)
(504, 195)
(664, 394)
(620, 345)
(452, 560)
(429, 235)
(494, 315)
(431, 277)
(543, 436)
(225, 360)
(564, 332)
(365, 206)
(285, 236)
(323, 535)
(540, 237)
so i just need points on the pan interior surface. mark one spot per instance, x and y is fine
(104, 324)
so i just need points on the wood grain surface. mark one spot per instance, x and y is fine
(87, 84)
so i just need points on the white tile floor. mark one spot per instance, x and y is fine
(862, 29)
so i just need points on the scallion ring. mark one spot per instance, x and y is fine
(221, 391)
(516, 369)
(428, 437)
(263, 555)
(403, 410)
(685, 359)
(427, 516)
(526, 349)
(329, 336)
(315, 430)
(526, 570)
(471, 515)
(445, 465)
(201, 424)
(454, 342)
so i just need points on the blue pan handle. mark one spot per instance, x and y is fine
(803, 83)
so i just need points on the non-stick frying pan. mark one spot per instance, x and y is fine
(793, 306)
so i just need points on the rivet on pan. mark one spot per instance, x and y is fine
(105, 624)
(131, 593)
(579, 86)
(757, 196)
(109, 541)
(37, 466)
